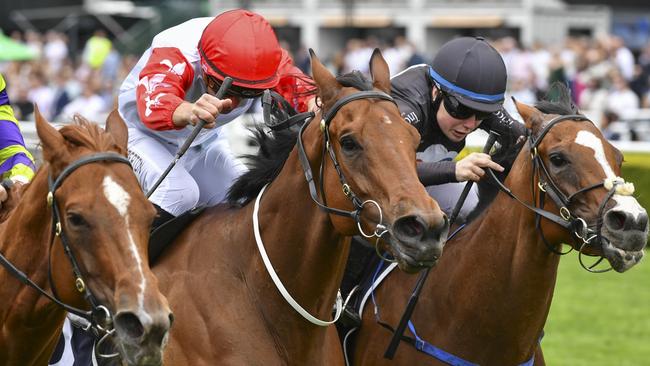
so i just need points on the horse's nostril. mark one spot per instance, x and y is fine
(410, 226)
(615, 220)
(171, 319)
(129, 324)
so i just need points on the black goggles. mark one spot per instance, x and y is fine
(460, 111)
(234, 91)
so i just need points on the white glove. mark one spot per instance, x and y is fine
(3, 194)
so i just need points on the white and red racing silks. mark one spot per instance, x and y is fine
(169, 72)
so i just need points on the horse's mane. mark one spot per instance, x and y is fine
(274, 149)
(557, 101)
(83, 133)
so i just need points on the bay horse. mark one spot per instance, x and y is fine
(77, 240)
(229, 309)
(488, 298)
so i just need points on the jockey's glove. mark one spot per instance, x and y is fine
(512, 136)
(511, 132)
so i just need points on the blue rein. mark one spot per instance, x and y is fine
(446, 357)
(426, 347)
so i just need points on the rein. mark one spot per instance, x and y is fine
(99, 317)
(358, 204)
(574, 224)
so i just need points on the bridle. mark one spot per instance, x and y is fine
(358, 204)
(99, 317)
(576, 225)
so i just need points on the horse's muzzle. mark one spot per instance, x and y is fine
(627, 236)
(142, 338)
(420, 241)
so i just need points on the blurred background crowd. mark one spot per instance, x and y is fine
(61, 83)
(609, 78)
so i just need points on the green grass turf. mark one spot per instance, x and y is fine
(599, 319)
(603, 319)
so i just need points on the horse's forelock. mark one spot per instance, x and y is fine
(557, 101)
(84, 133)
(355, 79)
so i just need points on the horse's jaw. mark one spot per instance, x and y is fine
(621, 260)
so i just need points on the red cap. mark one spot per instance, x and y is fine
(241, 44)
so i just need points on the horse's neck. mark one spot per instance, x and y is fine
(34, 322)
(305, 250)
(502, 264)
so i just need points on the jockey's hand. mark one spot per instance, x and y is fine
(3, 195)
(312, 106)
(206, 108)
(471, 167)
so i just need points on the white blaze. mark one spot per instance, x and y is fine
(120, 199)
(624, 203)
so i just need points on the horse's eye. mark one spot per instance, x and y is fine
(349, 144)
(76, 219)
(558, 160)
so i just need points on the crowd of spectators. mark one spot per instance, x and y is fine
(62, 84)
(607, 79)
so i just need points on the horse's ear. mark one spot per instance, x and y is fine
(328, 87)
(52, 142)
(117, 128)
(379, 71)
(528, 113)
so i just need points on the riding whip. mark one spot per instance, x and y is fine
(410, 307)
(225, 85)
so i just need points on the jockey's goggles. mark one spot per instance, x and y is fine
(234, 91)
(460, 111)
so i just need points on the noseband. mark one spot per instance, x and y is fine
(99, 317)
(574, 224)
(358, 204)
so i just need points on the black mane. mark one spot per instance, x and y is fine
(558, 101)
(274, 149)
(355, 79)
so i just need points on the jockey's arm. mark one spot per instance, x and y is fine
(16, 163)
(161, 88)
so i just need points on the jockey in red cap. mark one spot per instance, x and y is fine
(172, 87)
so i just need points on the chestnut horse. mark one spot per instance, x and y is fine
(229, 310)
(489, 297)
(79, 234)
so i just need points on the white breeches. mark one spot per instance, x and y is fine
(447, 195)
(201, 177)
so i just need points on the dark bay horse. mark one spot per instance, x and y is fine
(488, 298)
(228, 308)
(86, 199)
